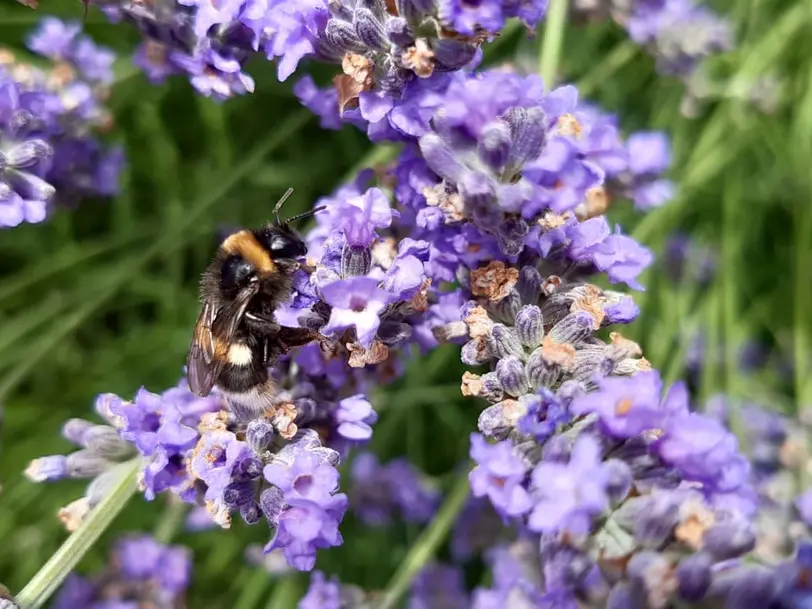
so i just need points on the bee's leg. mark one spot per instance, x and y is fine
(261, 325)
(296, 337)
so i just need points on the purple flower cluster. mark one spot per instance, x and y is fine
(378, 492)
(381, 46)
(678, 33)
(48, 153)
(141, 572)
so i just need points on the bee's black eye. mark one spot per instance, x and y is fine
(236, 273)
(284, 246)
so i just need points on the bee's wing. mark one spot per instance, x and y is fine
(201, 361)
(213, 335)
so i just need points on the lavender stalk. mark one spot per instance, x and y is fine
(53, 573)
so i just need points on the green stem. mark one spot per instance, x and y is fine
(171, 520)
(285, 594)
(59, 566)
(553, 41)
(606, 68)
(253, 590)
(426, 545)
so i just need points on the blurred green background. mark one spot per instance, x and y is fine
(103, 298)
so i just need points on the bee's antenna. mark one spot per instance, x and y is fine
(305, 214)
(280, 203)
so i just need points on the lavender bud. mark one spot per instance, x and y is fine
(747, 587)
(86, 464)
(529, 285)
(237, 494)
(356, 260)
(506, 309)
(588, 362)
(530, 326)
(327, 455)
(475, 352)
(101, 486)
(492, 389)
(652, 572)
(259, 434)
(503, 342)
(74, 430)
(493, 423)
(106, 442)
(271, 502)
(494, 145)
(53, 467)
(369, 29)
(511, 374)
(509, 246)
(478, 190)
(32, 187)
(529, 133)
(539, 372)
(28, 154)
(103, 408)
(247, 469)
(513, 227)
(399, 32)
(619, 477)
(574, 328)
(250, 513)
(694, 576)
(341, 36)
(622, 597)
(728, 540)
(569, 390)
(557, 449)
(451, 54)
(651, 521)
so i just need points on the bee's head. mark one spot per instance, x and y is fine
(282, 242)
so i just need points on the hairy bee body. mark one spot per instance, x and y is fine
(236, 338)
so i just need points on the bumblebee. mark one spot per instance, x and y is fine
(236, 338)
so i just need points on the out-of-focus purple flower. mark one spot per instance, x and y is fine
(323, 593)
(679, 33)
(379, 491)
(489, 15)
(438, 585)
(52, 156)
(567, 497)
(499, 474)
(142, 572)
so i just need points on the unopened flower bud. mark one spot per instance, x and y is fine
(259, 434)
(105, 442)
(356, 260)
(504, 342)
(530, 326)
(86, 463)
(271, 502)
(511, 374)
